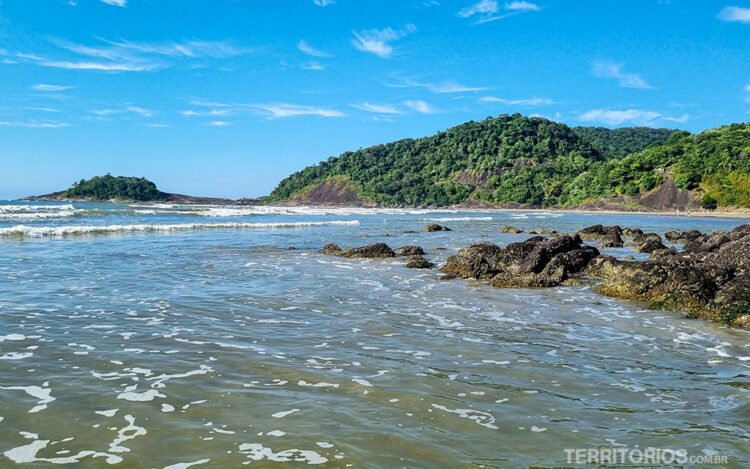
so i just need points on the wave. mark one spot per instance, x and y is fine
(22, 231)
(35, 212)
(446, 219)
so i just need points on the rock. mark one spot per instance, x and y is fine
(432, 227)
(331, 248)
(648, 242)
(419, 262)
(710, 278)
(371, 251)
(510, 229)
(607, 236)
(535, 262)
(683, 236)
(410, 232)
(631, 232)
(409, 251)
(543, 231)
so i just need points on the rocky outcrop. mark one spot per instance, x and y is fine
(409, 251)
(606, 236)
(543, 231)
(535, 262)
(682, 236)
(432, 227)
(419, 262)
(710, 278)
(510, 229)
(631, 232)
(648, 243)
(371, 251)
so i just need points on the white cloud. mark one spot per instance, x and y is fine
(377, 41)
(617, 117)
(489, 10)
(736, 14)
(678, 119)
(218, 124)
(158, 125)
(377, 108)
(34, 124)
(614, 71)
(323, 3)
(128, 109)
(306, 48)
(105, 67)
(420, 106)
(283, 110)
(51, 88)
(522, 6)
(518, 102)
(448, 87)
(117, 3)
(313, 66)
(482, 7)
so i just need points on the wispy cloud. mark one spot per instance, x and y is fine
(128, 56)
(377, 41)
(611, 70)
(218, 124)
(447, 87)
(736, 14)
(485, 11)
(518, 102)
(629, 116)
(313, 66)
(377, 108)
(522, 6)
(284, 110)
(306, 48)
(420, 106)
(34, 124)
(323, 3)
(117, 3)
(50, 88)
(128, 109)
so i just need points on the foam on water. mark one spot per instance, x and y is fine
(79, 230)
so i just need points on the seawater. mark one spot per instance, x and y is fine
(157, 336)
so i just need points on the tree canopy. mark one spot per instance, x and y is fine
(115, 187)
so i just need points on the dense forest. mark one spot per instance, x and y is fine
(510, 158)
(115, 187)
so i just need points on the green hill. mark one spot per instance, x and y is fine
(115, 187)
(507, 159)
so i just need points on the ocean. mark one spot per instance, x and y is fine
(169, 336)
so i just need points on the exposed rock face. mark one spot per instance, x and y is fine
(683, 236)
(419, 262)
(543, 231)
(536, 262)
(510, 229)
(710, 278)
(371, 251)
(607, 236)
(648, 242)
(409, 251)
(432, 227)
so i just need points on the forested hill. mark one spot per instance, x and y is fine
(507, 159)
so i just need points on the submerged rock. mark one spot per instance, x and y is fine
(543, 231)
(409, 251)
(710, 278)
(535, 262)
(607, 236)
(510, 229)
(432, 227)
(419, 262)
(371, 251)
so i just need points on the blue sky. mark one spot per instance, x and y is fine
(226, 97)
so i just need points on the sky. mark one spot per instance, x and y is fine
(227, 97)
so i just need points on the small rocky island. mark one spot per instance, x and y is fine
(110, 188)
(709, 278)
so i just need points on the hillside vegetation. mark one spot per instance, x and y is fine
(507, 159)
(115, 187)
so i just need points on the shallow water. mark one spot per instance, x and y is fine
(201, 338)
